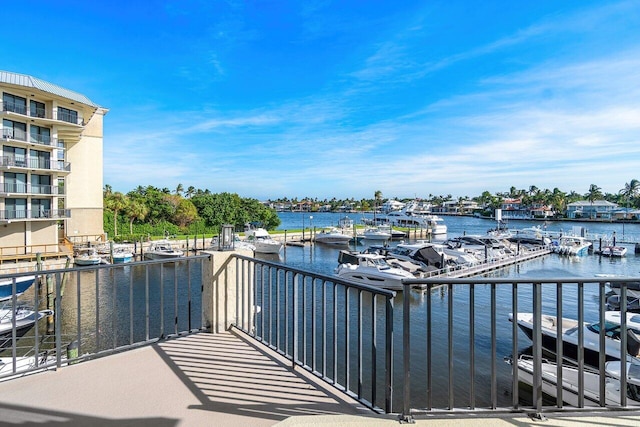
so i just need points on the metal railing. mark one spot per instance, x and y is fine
(23, 188)
(34, 163)
(339, 331)
(464, 329)
(100, 310)
(42, 113)
(17, 214)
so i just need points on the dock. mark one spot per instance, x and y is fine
(490, 265)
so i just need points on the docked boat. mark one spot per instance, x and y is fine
(532, 235)
(262, 240)
(87, 256)
(22, 284)
(571, 245)
(238, 244)
(370, 269)
(410, 217)
(570, 379)
(332, 236)
(162, 249)
(591, 332)
(376, 233)
(613, 251)
(395, 234)
(122, 254)
(23, 316)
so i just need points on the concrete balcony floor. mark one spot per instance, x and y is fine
(209, 380)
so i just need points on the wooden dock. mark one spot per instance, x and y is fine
(484, 267)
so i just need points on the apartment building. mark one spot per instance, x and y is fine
(50, 163)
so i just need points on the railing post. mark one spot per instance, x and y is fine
(294, 326)
(388, 399)
(406, 417)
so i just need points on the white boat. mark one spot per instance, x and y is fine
(332, 236)
(613, 251)
(122, 254)
(24, 316)
(371, 269)
(395, 234)
(22, 284)
(591, 332)
(571, 245)
(376, 233)
(262, 240)
(162, 249)
(409, 217)
(238, 244)
(535, 235)
(87, 256)
(591, 380)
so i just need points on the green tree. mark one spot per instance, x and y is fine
(185, 213)
(135, 209)
(115, 202)
(630, 190)
(592, 195)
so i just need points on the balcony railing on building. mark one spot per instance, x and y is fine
(21, 214)
(28, 162)
(439, 350)
(40, 189)
(41, 113)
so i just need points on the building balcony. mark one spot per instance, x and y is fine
(31, 163)
(41, 115)
(15, 215)
(8, 188)
(20, 138)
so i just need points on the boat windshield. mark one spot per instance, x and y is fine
(611, 329)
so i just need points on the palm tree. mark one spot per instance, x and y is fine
(135, 209)
(190, 191)
(377, 196)
(630, 190)
(592, 195)
(115, 202)
(179, 189)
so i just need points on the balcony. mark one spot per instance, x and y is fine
(9, 188)
(21, 139)
(15, 215)
(40, 114)
(228, 339)
(33, 163)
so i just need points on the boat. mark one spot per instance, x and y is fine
(613, 251)
(410, 217)
(395, 234)
(24, 316)
(570, 379)
(571, 245)
(162, 249)
(122, 254)
(87, 256)
(262, 240)
(22, 284)
(332, 236)
(376, 233)
(238, 244)
(370, 269)
(591, 332)
(532, 235)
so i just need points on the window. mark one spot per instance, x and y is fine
(67, 115)
(37, 109)
(40, 159)
(40, 135)
(60, 150)
(15, 182)
(15, 208)
(40, 184)
(40, 208)
(14, 156)
(14, 130)
(14, 103)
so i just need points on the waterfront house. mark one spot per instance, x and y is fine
(514, 209)
(50, 164)
(598, 209)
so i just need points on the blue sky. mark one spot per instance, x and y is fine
(340, 99)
